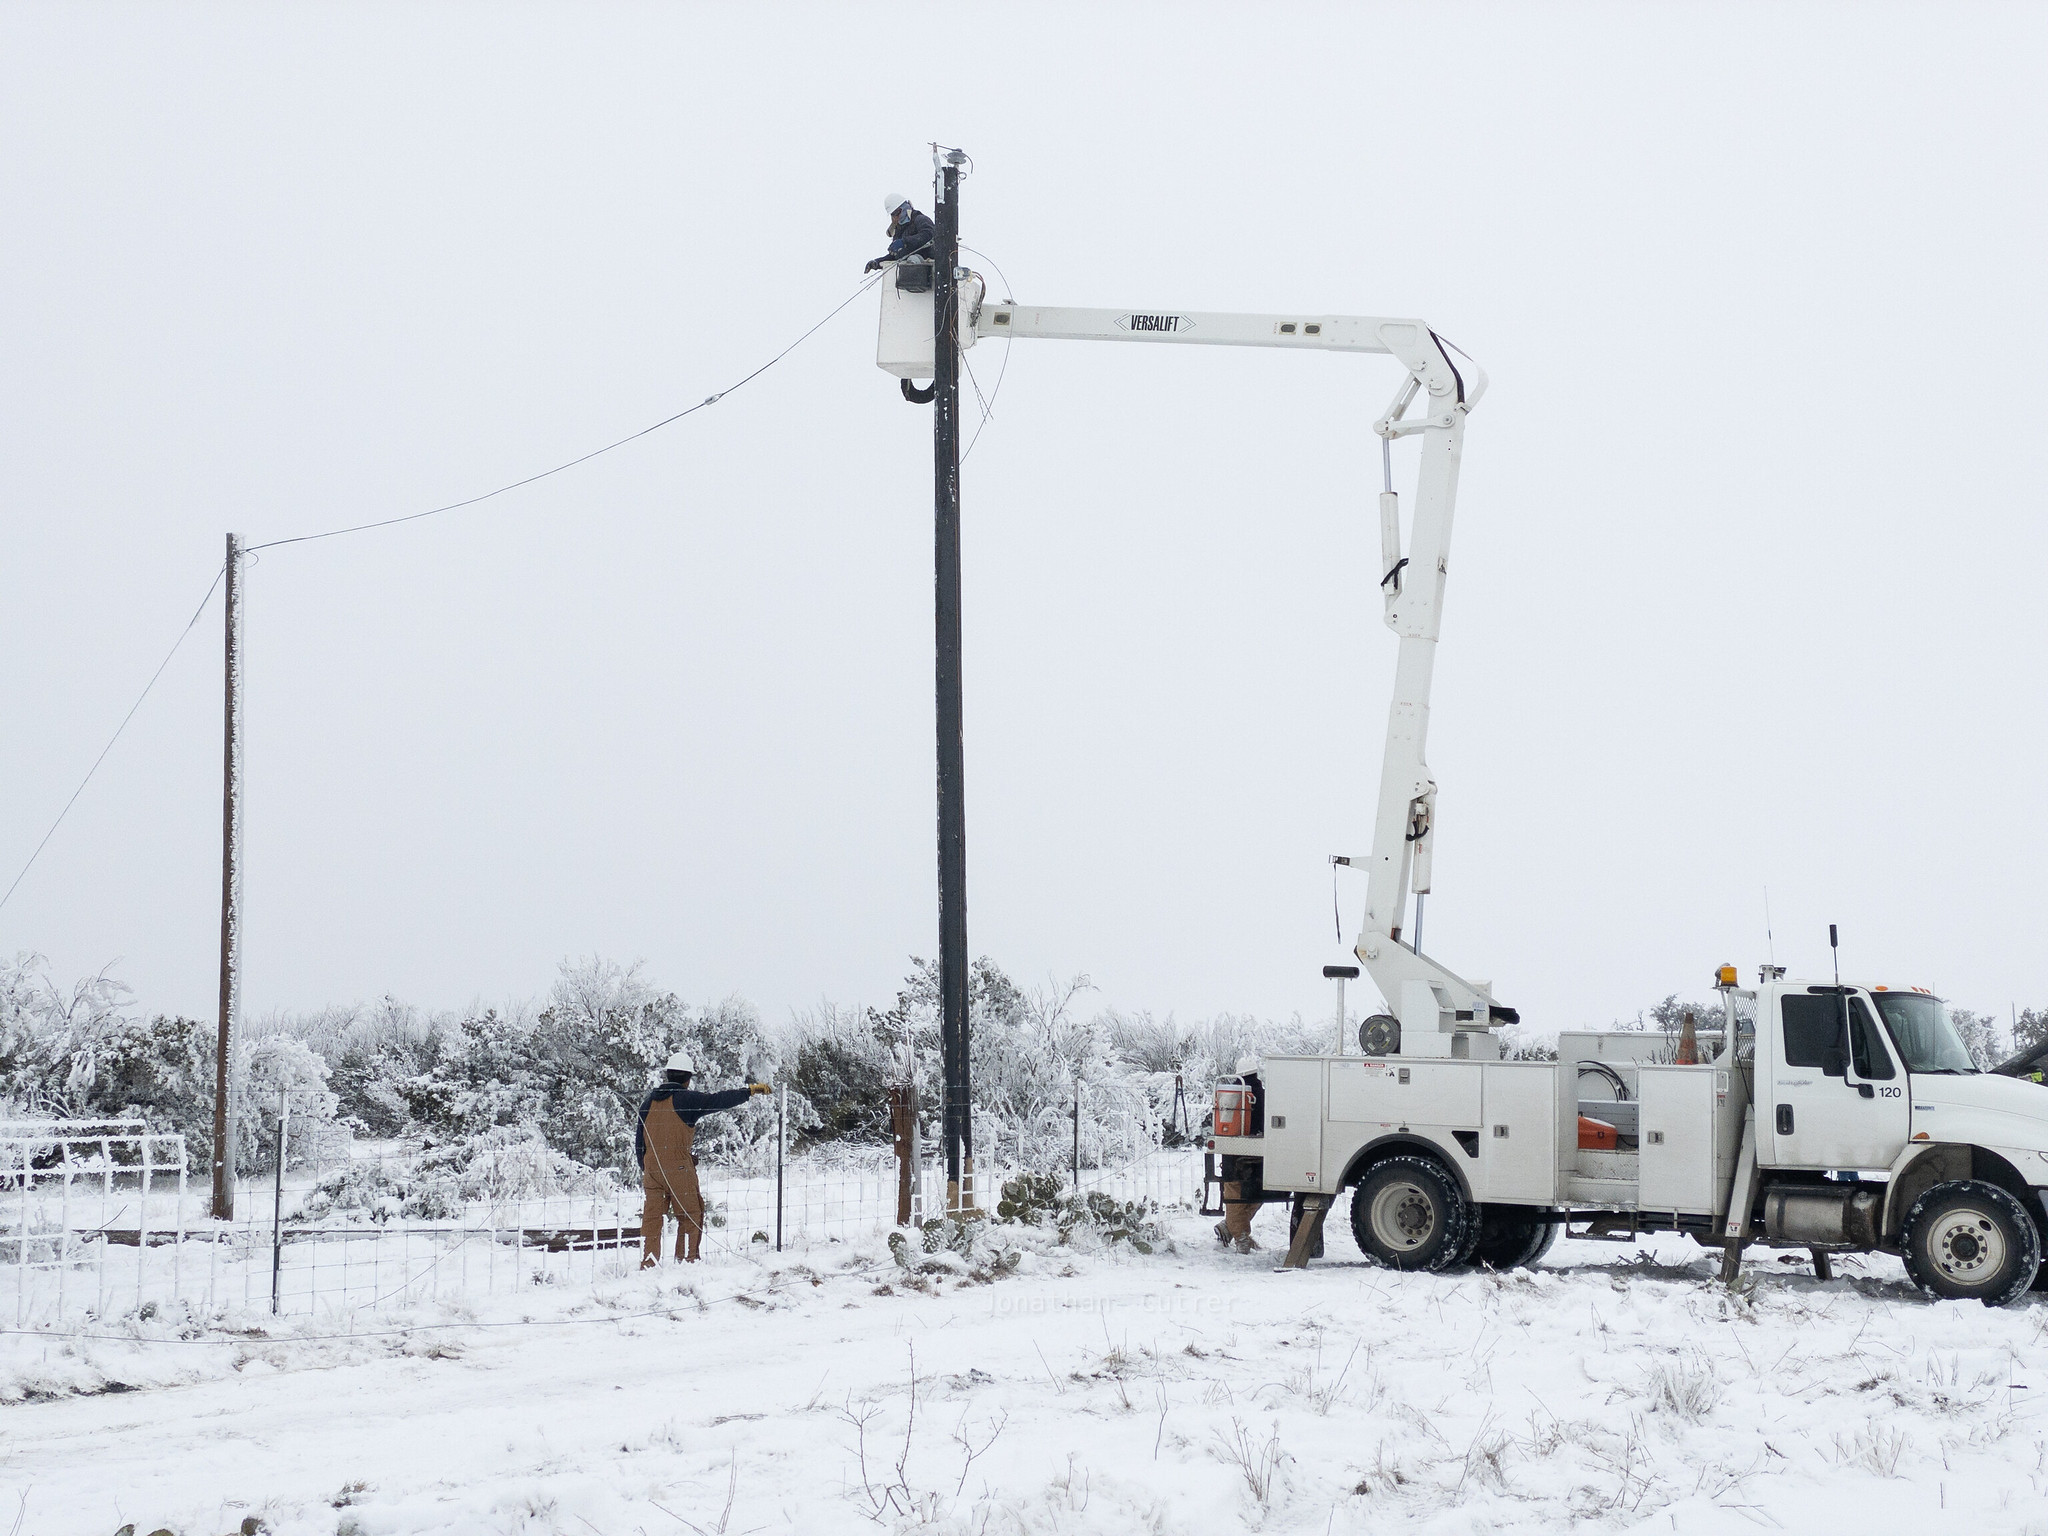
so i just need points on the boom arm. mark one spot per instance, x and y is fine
(1434, 1005)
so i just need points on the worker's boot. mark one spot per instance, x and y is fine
(648, 1261)
(1246, 1243)
(1223, 1233)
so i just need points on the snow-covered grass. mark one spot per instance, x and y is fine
(1029, 1387)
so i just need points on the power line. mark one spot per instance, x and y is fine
(190, 624)
(305, 538)
(413, 517)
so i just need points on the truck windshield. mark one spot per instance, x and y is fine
(1920, 1024)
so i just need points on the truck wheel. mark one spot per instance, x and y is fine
(1408, 1213)
(1512, 1238)
(1968, 1240)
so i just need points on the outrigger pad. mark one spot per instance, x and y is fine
(1308, 1232)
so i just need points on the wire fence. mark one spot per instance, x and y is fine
(106, 1219)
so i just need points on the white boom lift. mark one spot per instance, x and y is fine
(1880, 1134)
(1442, 1014)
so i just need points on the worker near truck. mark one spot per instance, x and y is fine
(665, 1146)
(910, 233)
(1243, 1177)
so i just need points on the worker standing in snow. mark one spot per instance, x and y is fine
(665, 1146)
(910, 233)
(1244, 1177)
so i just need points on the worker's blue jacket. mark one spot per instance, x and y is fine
(912, 238)
(689, 1105)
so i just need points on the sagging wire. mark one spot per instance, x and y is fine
(413, 517)
(190, 624)
(410, 517)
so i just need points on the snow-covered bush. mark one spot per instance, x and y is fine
(573, 1071)
(82, 1055)
(512, 1163)
(499, 1166)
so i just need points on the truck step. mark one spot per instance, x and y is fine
(1587, 1191)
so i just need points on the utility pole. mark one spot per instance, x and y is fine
(955, 1115)
(230, 895)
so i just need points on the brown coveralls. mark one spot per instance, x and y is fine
(668, 1180)
(668, 1165)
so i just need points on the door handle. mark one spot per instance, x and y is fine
(1784, 1119)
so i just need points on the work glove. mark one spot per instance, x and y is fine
(873, 266)
(760, 1087)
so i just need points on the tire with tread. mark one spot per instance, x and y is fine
(1509, 1238)
(1968, 1240)
(1409, 1213)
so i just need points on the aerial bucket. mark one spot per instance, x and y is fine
(904, 347)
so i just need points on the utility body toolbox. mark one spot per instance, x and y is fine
(1510, 1130)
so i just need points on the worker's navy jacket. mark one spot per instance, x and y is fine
(911, 239)
(689, 1105)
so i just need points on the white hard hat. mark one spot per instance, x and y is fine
(1246, 1065)
(892, 201)
(681, 1062)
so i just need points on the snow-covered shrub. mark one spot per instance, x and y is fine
(845, 1061)
(366, 1191)
(511, 1163)
(82, 1055)
(499, 1166)
(273, 1072)
(575, 1072)
(369, 1052)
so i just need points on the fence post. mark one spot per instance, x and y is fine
(178, 1238)
(903, 1125)
(142, 1227)
(1077, 1130)
(21, 1249)
(284, 1114)
(781, 1098)
(64, 1228)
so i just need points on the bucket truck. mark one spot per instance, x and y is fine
(1819, 1115)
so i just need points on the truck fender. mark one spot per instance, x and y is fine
(1924, 1164)
(1403, 1141)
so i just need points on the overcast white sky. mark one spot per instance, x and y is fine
(1746, 583)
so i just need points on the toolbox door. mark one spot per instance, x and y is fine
(1518, 1134)
(1294, 1122)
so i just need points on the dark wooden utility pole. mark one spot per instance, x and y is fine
(230, 896)
(956, 1116)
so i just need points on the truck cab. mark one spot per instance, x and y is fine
(1872, 1087)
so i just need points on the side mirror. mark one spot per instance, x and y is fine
(1866, 1090)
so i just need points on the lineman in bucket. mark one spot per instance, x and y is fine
(665, 1146)
(910, 233)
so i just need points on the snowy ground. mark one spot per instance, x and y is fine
(1197, 1392)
